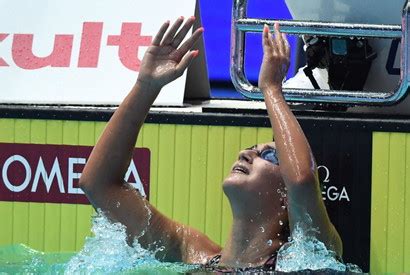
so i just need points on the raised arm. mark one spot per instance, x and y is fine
(296, 161)
(103, 177)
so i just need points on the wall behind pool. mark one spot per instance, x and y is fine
(183, 188)
(390, 214)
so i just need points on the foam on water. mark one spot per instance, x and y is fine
(305, 252)
(108, 251)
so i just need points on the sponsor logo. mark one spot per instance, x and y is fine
(50, 173)
(329, 191)
(128, 42)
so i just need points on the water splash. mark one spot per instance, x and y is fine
(305, 252)
(108, 252)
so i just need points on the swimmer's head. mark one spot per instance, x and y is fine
(255, 179)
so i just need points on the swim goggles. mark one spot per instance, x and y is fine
(268, 154)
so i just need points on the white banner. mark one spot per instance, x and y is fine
(80, 52)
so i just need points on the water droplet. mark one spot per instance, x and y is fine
(107, 251)
(304, 252)
(262, 229)
(280, 222)
(118, 204)
(269, 242)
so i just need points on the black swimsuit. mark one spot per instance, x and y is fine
(213, 265)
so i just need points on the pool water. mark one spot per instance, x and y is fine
(108, 252)
(305, 252)
(20, 259)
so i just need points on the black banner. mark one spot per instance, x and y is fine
(344, 157)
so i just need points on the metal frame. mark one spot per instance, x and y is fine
(241, 25)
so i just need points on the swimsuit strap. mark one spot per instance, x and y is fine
(214, 261)
(270, 262)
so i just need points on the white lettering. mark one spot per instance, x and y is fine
(324, 194)
(138, 184)
(343, 195)
(48, 180)
(48, 176)
(26, 181)
(327, 177)
(72, 176)
(332, 196)
(332, 193)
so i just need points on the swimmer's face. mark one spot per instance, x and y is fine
(256, 174)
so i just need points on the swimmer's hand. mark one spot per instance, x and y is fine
(276, 59)
(166, 59)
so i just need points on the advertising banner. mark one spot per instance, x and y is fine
(80, 52)
(344, 158)
(50, 173)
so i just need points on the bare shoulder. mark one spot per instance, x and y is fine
(198, 247)
(177, 242)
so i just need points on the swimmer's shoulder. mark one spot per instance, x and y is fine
(197, 247)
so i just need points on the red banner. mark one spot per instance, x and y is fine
(50, 173)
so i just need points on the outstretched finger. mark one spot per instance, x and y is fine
(169, 36)
(185, 61)
(183, 31)
(265, 38)
(287, 46)
(272, 43)
(266, 41)
(187, 45)
(279, 39)
(158, 37)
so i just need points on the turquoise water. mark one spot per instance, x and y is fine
(305, 252)
(107, 252)
(20, 259)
